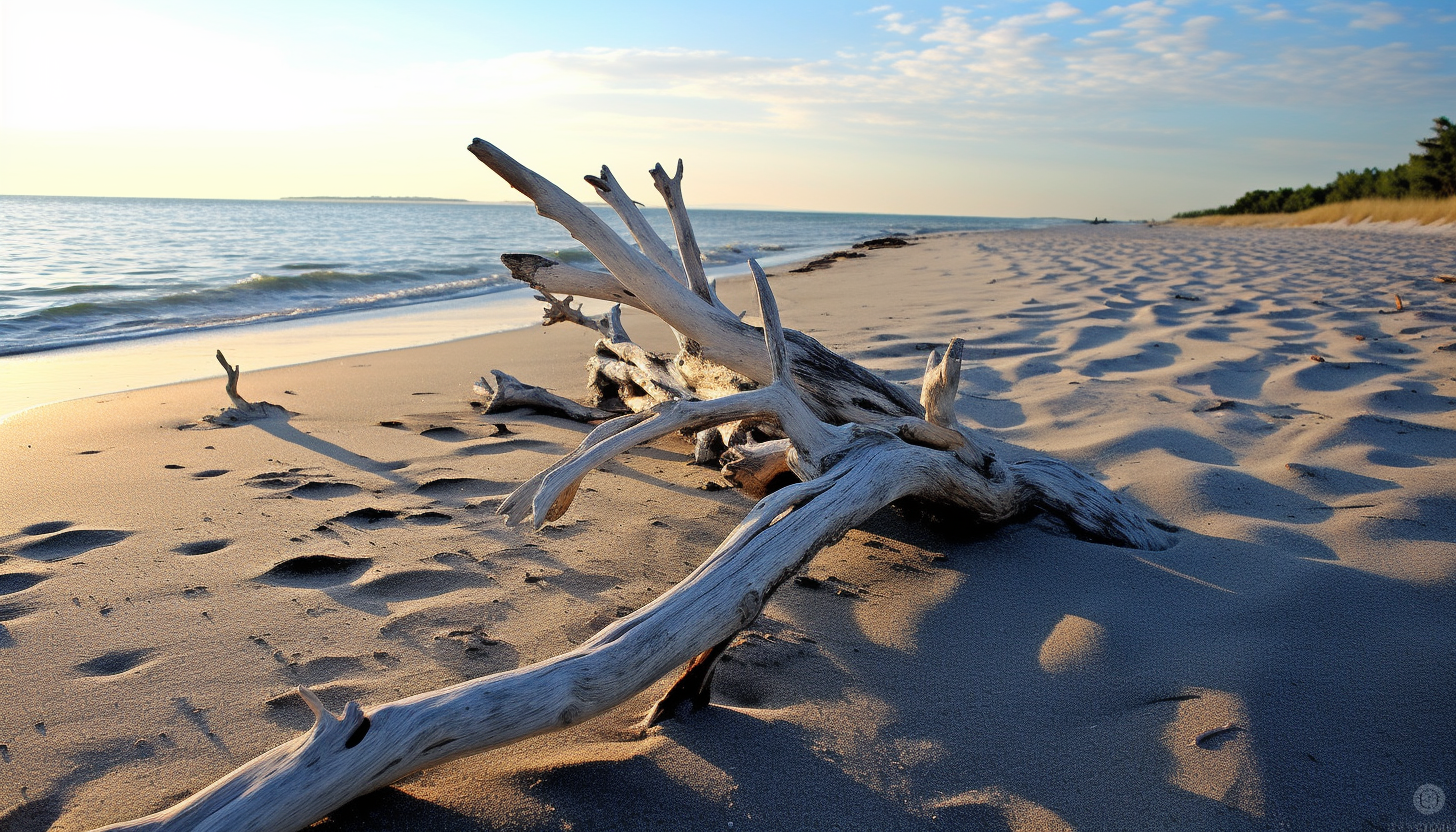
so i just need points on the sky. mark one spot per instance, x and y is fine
(1009, 108)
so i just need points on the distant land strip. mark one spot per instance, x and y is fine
(370, 199)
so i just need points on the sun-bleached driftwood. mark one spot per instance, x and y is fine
(850, 472)
(508, 393)
(913, 451)
(242, 411)
(725, 339)
(560, 310)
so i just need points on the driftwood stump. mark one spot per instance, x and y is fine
(856, 442)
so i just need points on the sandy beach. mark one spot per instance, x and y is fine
(166, 585)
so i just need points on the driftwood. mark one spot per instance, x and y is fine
(242, 411)
(857, 442)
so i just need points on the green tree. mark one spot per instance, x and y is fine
(1434, 170)
(1430, 173)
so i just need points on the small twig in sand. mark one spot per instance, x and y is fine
(1213, 732)
(242, 411)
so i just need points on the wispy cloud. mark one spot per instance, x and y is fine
(961, 70)
(1369, 16)
(964, 63)
(895, 22)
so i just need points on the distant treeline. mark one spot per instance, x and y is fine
(1429, 173)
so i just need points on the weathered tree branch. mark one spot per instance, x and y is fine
(612, 193)
(836, 389)
(859, 444)
(242, 411)
(687, 242)
(300, 781)
(509, 394)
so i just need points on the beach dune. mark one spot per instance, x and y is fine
(165, 585)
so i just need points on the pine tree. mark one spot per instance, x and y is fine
(1434, 170)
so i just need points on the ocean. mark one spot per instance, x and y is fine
(91, 270)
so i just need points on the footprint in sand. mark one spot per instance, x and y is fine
(325, 490)
(752, 672)
(414, 584)
(1394, 442)
(47, 527)
(202, 547)
(113, 663)
(17, 581)
(455, 638)
(508, 445)
(365, 517)
(445, 433)
(276, 480)
(72, 543)
(209, 473)
(315, 571)
(462, 487)
(10, 612)
(1330, 376)
(428, 518)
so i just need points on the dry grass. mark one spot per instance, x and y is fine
(1422, 211)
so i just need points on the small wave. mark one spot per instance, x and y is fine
(311, 266)
(262, 294)
(418, 292)
(266, 282)
(80, 289)
(70, 310)
(572, 255)
(736, 254)
(86, 323)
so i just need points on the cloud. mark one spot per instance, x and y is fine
(964, 71)
(894, 22)
(1270, 13)
(968, 72)
(1369, 16)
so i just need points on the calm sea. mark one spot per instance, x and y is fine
(78, 270)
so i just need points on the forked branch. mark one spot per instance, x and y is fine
(303, 780)
(858, 442)
(242, 411)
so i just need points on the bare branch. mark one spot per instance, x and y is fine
(509, 393)
(687, 243)
(612, 193)
(242, 411)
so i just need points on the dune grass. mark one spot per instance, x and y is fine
(1422, 211)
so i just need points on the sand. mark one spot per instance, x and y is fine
(164, 587)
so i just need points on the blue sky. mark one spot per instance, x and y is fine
(1008, 108)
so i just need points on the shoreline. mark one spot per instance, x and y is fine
(165, 586)
(88, 370)
(69, 373)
